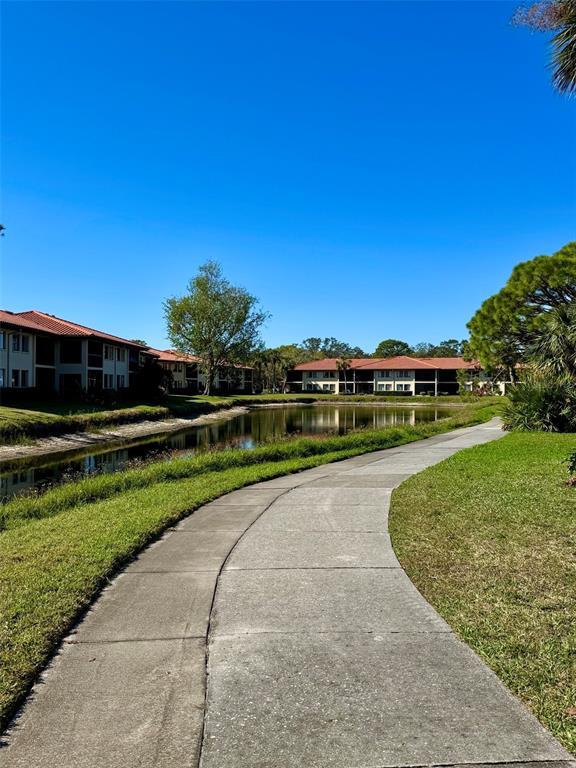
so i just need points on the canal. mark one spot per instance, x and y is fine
(242, 431)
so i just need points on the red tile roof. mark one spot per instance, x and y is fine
(401, 362)
(170, 356)
(17, 321)
(42, 322)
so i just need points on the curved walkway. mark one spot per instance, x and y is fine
(319, 651)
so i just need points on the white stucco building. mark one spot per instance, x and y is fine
(45, 352)
(401, 375)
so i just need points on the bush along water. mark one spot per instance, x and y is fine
(543, 401)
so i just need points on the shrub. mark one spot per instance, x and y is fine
(543, 402)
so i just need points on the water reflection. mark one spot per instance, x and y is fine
(243, 431)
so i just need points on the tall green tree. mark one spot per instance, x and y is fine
(312, 347)
(316, 348)
(506, 323)
(392, 348)
(332, 347)
(215, 320)
(448, 348)
(559, 17)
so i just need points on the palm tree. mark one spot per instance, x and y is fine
(558, 16)
(553, 347)
(343, 365)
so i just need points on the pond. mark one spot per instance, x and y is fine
(242, 431)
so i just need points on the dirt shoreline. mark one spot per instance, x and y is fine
(122, 434)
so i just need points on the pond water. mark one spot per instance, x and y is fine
(242, 431)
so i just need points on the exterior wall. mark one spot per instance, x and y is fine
(14, 361)
(115, 366)
(178, 371)
(394, 381)
(239, 381)
(320, 381)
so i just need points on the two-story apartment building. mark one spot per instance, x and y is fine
(402, 375)
(48, 353)
(186, 373)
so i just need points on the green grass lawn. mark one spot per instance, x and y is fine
(489, 537)
(58, 550)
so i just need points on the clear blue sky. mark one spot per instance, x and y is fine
(368, 170)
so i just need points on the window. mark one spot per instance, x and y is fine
(2, 339)
(120, 355)
(20, 342)
(108, 381)
(322, 374)
(24, 379)
(108, 352)
(120, 381)
(402, 387)
(94, 354)
(15, 377)
(2, 376)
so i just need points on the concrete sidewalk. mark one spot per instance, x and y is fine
(320, 652)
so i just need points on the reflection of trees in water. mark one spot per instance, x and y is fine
(243, 431)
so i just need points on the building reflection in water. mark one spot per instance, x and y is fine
(243, 431)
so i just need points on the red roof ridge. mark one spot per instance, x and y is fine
(38, 316)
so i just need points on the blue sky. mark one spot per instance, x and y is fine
(367, 169)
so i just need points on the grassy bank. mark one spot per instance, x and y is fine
(19, 424)
(58, 550)
(175, 402)
(489, 537)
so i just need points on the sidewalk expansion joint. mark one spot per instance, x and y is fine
(202, 737)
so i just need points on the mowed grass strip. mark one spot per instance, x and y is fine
(21, 425)
(489, 537)
(58, 550)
